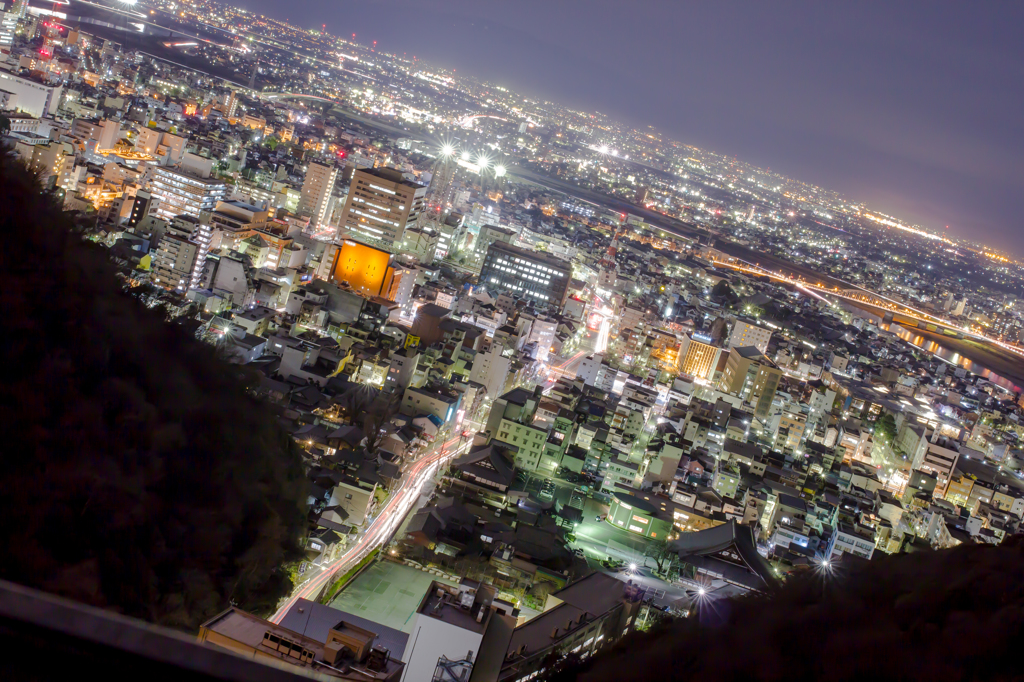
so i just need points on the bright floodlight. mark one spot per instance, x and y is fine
(483, 162)
(447, 150)
(128, 2)
(701, 591)
(632, 567)
(465, 156)
(499, 171)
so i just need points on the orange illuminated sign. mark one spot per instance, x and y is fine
(365, 269)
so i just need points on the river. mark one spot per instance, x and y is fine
(915, 338)
(926, 342)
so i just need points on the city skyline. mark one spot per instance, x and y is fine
(335, 355)
(861, 102)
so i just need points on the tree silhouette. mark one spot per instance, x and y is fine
(885, 427)
(660, 551)
(140, 476)
(377, 418)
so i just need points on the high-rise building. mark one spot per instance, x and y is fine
(182, 193)
(698, 356)
(316, 192)
(8, 26)
(181, 254)
(740, 370)
(537, 276)
(762, 393)
(380, 204)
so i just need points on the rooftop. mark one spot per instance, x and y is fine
(461, 609)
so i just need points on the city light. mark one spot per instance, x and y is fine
(491, 300)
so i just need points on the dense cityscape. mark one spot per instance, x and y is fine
(552, 379)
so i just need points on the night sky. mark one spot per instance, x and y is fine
(916, 108)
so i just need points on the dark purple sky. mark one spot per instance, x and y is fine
(915, 107)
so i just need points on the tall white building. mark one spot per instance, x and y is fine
(8, 25)
(380, 204)
(181, 253)
(33, 97)
(746, 334)
(316, 192)
(491, 369)
(183, 193)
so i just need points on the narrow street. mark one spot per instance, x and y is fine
(381, 527)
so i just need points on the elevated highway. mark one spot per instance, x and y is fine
(887, 308)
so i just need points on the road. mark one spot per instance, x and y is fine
(384, 524)
(875, 303)
(600, 540)
(568, 367)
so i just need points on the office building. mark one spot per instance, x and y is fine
(8, 27)
(698, 356)
(746, 334)
(402, 370)
(762, 392)
(34, 97)
(380, 204)
(741, 369)
(448, 232)
(491, 368)
(371, 272)
(536, 276)
(182, 193)
(939, 457)
(317, 188)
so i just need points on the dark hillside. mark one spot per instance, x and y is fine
(138, 475)
(950, 615)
